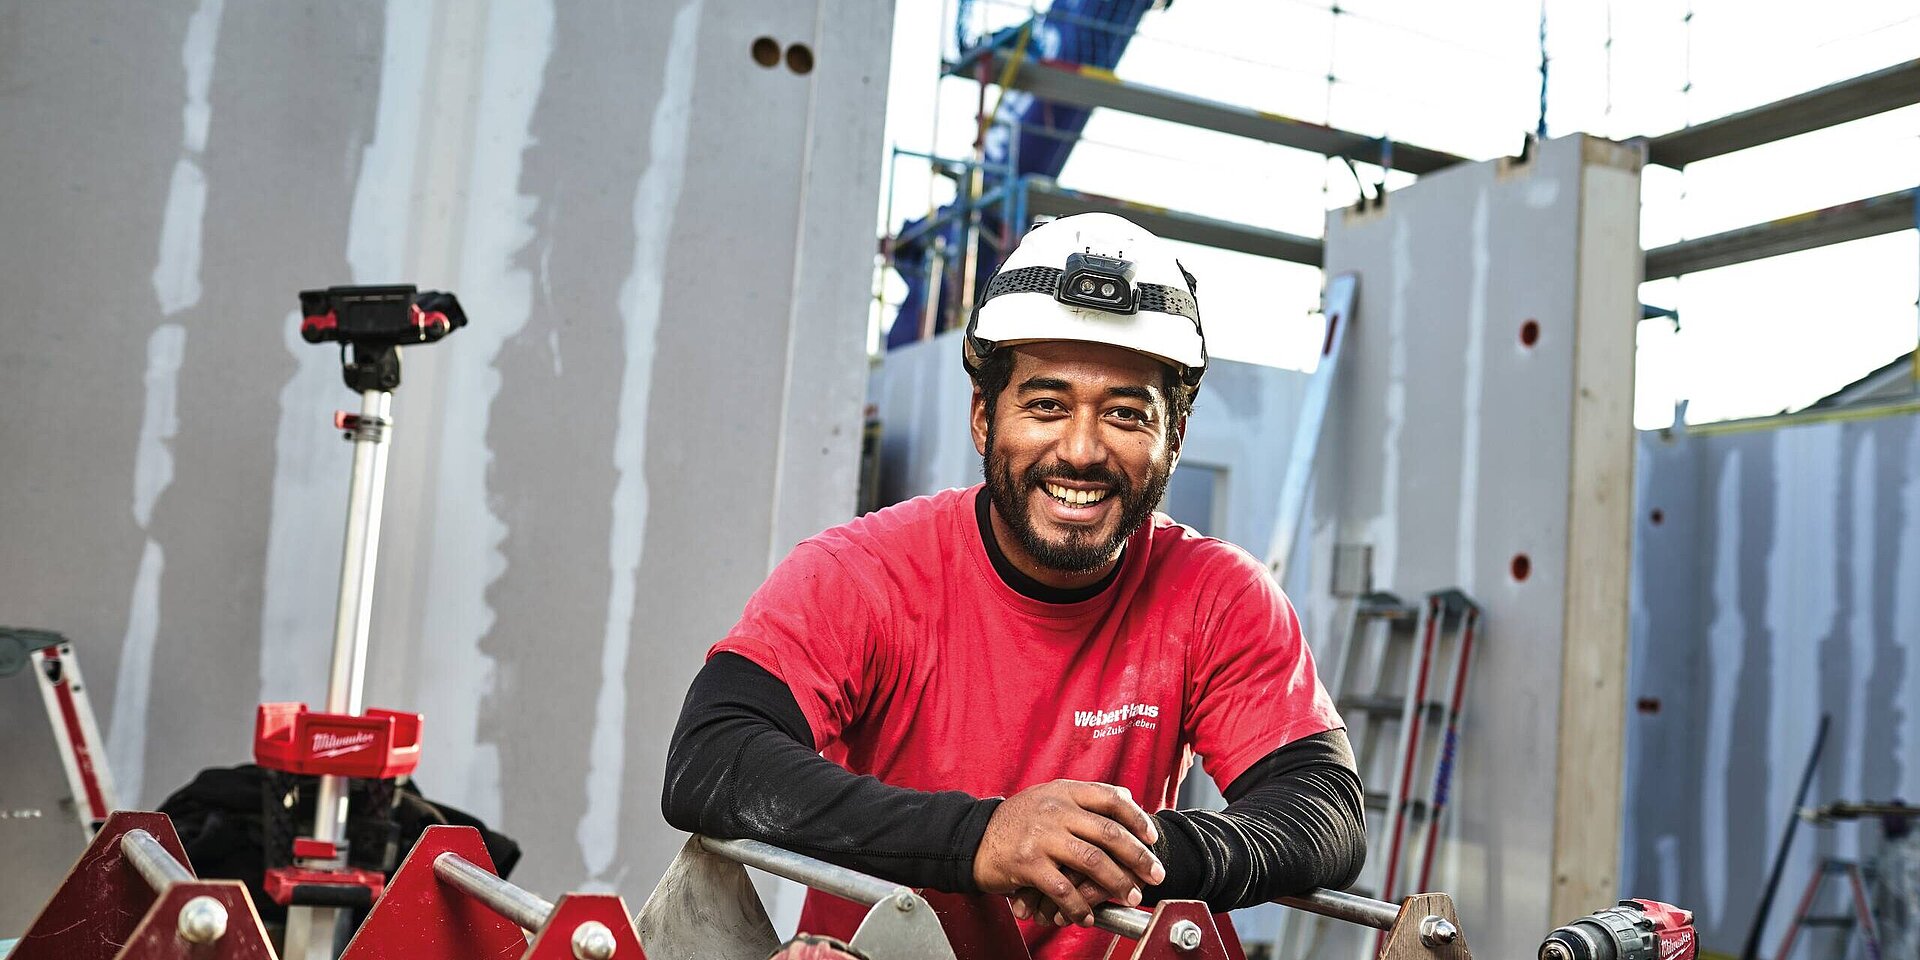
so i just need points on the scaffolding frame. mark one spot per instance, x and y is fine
(1002, 58)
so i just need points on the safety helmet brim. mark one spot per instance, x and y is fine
(1033, 317)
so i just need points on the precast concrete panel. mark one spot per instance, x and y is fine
(1776, 580)
(664, 248)
(1450, 450)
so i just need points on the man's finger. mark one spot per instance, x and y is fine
(1108, 878)
(1054, 885)
(1116, 802)
(1025, 903)
(1093, 892)
(1125, 849)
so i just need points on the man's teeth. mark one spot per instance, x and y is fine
(1075, 497)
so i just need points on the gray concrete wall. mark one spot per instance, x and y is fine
(665, 250)
(1781, 581)
(1453, 444)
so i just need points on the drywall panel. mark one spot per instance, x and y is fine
(663, 247)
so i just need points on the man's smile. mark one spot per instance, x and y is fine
(1075, 496)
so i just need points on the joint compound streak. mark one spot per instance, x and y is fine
(653, 210)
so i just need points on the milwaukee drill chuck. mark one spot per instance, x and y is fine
(1634, 930)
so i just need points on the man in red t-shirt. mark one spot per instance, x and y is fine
(999, 689)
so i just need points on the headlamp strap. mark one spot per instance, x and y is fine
(1154, 297)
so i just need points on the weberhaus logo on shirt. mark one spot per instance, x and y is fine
(1118, 719)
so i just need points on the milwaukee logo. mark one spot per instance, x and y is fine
(1100, 718)
(327, 745)
(1677, 946)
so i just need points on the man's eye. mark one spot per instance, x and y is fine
(1046, 406)
(1130, 414)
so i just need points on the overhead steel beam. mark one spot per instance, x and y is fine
(1066, 82)
(1887, 213)
(1048, 198)
(1863, 96)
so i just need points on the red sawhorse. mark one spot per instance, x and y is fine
(131, 896)
(446, 903)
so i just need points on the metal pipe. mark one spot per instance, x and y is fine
(515, 903)
(154, 862)
(1349, 907)
(1129, 922)
(818, 874)
(311, 931)
(936, 282)
(366, 493)
(353, 614)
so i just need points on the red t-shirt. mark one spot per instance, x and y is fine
(916, 663)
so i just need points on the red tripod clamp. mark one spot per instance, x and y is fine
(320, 879)
(378, 745)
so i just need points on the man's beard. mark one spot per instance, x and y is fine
(1079, 552)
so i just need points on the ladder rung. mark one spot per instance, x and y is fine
(1846, 921)
(1378, 801)
(1393, 705)
(1385, 611)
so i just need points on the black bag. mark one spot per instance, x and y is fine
(236, 822)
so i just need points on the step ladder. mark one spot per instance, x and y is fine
(1860, 919)
(69, 713)
(1400, 680)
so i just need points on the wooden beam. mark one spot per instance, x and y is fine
(1593, 658)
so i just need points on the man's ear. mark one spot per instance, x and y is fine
(1178, 440)
(979, 421)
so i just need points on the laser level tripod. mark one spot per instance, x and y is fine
(345, 741)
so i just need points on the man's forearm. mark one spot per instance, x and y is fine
(1293, 821)
(742, 765)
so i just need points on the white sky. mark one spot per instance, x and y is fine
(1464, 77)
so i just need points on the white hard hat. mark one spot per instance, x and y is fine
(1093, 277)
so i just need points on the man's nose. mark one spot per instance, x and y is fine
(1083, 445)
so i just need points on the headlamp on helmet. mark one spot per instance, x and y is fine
(1100, 282)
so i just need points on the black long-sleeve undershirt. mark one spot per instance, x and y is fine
(743, 764)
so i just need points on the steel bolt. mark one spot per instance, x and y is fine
(1435, 931)
(202, 920)
(905, 902)
(1185, 935)
(592, 941)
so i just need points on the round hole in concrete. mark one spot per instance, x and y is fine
(1657, 517)
(1521, 567)
(1530, 333)
(766, 51)
(800, 59)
